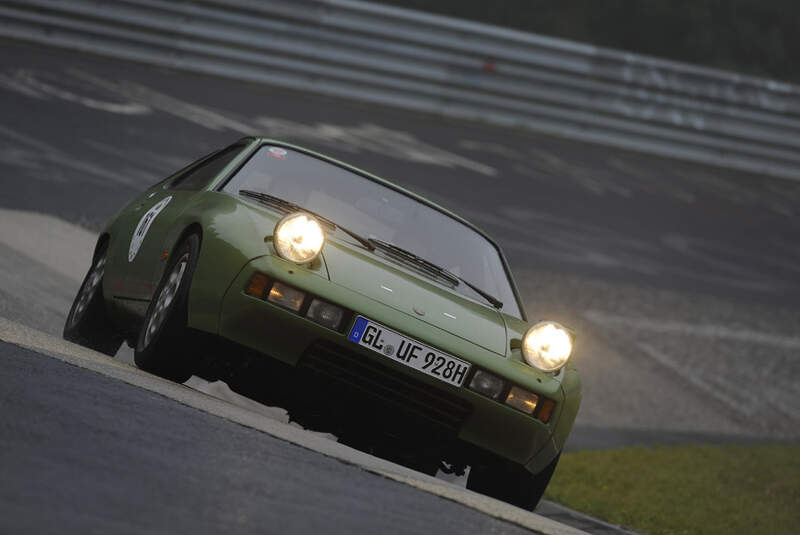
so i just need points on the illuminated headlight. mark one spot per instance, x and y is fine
(487, 384)
(547, 346)
(298, 238)
(325, 314)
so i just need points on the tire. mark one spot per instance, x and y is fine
(511, 483)
(87, 323)
(163, 346)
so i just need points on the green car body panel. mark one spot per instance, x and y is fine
(236, 243)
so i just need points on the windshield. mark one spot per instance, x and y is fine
(377, 211)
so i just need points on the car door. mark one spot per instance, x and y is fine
(155, 216)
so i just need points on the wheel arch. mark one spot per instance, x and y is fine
(192, 228)
(175, 237)
(188, 229)
(103, 240)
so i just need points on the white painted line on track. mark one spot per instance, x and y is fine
(79, 356)
(693, 329)
(63, 247)
(692, 377)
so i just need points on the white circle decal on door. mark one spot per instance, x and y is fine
(144, 226)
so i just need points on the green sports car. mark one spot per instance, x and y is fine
(363, 309)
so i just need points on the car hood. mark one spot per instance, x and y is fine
(374, 276)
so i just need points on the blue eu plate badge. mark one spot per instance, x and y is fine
(358, 329)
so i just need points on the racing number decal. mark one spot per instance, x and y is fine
(144, 226)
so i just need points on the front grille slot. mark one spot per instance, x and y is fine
(372, 379)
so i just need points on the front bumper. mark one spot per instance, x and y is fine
(296, 341)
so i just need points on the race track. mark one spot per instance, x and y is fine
(132, 453)
(682, 281)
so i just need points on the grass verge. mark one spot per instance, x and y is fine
(702, 490)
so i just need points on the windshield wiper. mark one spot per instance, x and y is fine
(289, 206)
(371, 243)
(433, 269)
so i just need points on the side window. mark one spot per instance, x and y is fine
(198, 176)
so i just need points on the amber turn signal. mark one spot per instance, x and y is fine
(257, 286)
(545, 409)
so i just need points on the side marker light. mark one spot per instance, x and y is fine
(257, 287)
(546, 410)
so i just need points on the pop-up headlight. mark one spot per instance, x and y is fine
(547, 346)
(298, 238)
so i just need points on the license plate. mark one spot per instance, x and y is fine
(407, 351)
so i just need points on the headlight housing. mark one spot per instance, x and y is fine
(547, 346)
(298, 238)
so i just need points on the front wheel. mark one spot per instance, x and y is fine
(88, 323)
(163, 346)
(511, 483)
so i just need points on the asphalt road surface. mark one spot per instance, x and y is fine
(682, 281)
(120, 459)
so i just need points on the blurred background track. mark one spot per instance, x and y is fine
(682, 279)
(422, 62)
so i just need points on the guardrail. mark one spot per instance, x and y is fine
(436, 64)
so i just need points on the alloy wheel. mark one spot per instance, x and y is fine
(89, 289)
(165, 299)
